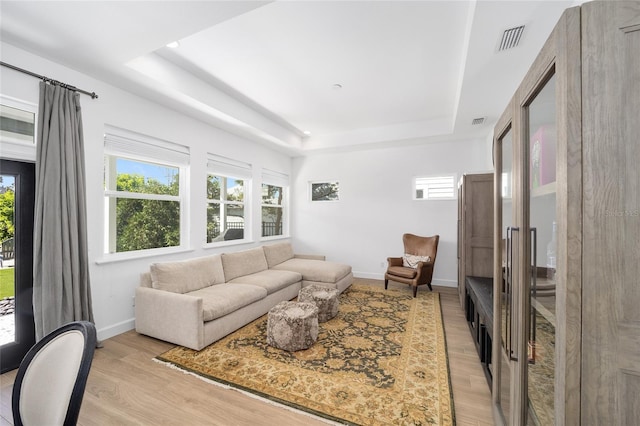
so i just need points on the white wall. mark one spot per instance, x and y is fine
(362, 229)
(376, 206)
(113, 283)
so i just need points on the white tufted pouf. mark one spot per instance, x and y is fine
(292, 326)
(325, 298)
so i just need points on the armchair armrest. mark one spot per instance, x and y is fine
(174, 317)
(425, 272)
(394, 261)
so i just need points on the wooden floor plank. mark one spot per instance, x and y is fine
(126, 387)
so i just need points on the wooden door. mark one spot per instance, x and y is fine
(611, 213)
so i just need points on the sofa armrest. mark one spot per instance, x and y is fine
(309, 256)
(174, 317)
(394, 261)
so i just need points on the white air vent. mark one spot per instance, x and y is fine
(510, 38)
(477, 121)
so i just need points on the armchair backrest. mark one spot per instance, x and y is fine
(421, 246)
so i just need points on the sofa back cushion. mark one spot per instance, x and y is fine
(278, 253)
(243, 263)
(187, 275)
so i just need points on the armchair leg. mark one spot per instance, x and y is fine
(415, 291)
(386, 283)
(430, 288)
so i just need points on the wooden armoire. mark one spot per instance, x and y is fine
(475, 228)
(566, 290)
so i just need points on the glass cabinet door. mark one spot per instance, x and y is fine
(503, 281)
(540, 148)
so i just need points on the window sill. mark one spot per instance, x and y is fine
(277, 237)
(133, 255)
(226, 243)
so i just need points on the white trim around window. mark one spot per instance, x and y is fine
(228, 201)
(16, 147)
(435, 187)
(158, 173)
(274, 205)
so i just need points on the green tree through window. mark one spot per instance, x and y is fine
(141, 223)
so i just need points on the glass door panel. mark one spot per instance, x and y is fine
(542, 138)
(7, 259)
(17, 190)
(506, 177)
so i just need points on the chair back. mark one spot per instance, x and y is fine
(50, 382)
(421, 246)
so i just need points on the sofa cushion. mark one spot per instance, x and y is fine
(271, 280)
(187, 275)
(316, 270)
(277, 253)
(243, 263)
(220, 300)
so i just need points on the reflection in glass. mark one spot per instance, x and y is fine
(506, 295)
(542, 218)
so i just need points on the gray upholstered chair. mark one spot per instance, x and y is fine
(416, 266)
(50, 382)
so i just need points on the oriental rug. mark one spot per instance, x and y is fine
(382, 360)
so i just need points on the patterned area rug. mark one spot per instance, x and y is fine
(382, 360)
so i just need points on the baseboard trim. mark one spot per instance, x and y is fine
(115, 329)
(380, 276)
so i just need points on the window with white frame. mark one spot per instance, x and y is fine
(228, 186)
(275, 187)
(145, 192)
(18, 128)
(441, 187)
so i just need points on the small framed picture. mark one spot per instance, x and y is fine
(324, 191)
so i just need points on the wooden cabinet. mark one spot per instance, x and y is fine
(566, 323)
(475, 228)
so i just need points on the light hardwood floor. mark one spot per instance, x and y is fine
(126, 387)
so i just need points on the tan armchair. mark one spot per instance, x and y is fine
(423, 272)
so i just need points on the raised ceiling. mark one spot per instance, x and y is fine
(408, 70)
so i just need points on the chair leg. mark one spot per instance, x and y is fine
(430, 288)
(386, 283)
(415, 290)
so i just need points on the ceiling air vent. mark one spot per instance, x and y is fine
(510, 38)
(477, 121)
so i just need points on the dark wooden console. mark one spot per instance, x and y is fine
(479, 314)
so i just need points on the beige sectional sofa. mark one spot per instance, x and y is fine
(195, 302)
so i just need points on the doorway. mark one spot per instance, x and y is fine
(17, 195)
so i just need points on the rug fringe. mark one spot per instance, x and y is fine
(249, 394)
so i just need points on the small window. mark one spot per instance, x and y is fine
(17, 128)
(144, 188)
(274, 190)
(434, 187)
(227, 184)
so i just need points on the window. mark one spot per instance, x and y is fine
(17, 128)
(228, 182)
(434, 187)
(274, 188)
(145, 187)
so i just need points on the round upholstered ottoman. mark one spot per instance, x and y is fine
(325, 298)
(292, 326)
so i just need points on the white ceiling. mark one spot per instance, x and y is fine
(409, 70)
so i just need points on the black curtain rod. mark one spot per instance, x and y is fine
(49, 80)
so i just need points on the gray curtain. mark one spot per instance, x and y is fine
(61, 289)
